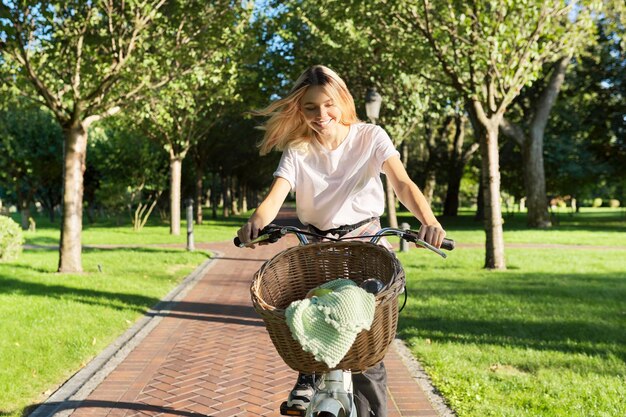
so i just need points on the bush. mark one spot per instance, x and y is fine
(597, 202)
(613, 203)
(11, 239)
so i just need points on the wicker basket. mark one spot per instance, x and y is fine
(289, 275)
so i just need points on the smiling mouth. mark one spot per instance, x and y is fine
(323, 123)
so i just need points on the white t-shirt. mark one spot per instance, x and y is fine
(342, 186)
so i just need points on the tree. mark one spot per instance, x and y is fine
(82, 60)
(179, 114)
(488, 52)
(177, 125)
(533, 107)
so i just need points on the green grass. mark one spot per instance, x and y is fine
(547, 337)
(53, 324)
(154, 233)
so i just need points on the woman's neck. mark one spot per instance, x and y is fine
(335, 139)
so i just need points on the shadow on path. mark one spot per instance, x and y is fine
(210, 312)
(57, 407)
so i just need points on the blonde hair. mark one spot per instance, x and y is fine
(286, 125)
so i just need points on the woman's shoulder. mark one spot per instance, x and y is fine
(369, 130)
(298, 149)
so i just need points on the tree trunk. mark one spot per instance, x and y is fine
(532, 146)
(244, 197)
(429, 185)
(434, 137)
(74, 153)
(23, 202)
(457, 162)
(234, 197)
(24, 215)
(214, 197)
(405, 153)
(451, 204)
(176, 164)
(534, 172)
(225, 197)
(535, 183)
(480, 202)
(494, 245)
(199, 189)
(391, 204)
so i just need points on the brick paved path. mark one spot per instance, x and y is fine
(210, 355)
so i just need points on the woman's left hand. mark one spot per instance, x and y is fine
(432, 234)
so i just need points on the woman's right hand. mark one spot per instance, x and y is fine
(266, 212)
(249, 231)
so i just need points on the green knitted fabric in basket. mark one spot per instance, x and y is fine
(327, 325)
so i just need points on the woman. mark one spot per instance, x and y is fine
(333, 163)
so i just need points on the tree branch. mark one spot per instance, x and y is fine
(513, 131)
(426, 30)
(21, 56)
(549, 94)
(517, 79)
(79, 57)
(96, 117)
(467, 155)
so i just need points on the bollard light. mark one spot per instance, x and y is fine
(404, 245)
(190, 243)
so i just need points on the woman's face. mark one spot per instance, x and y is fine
(320, 111)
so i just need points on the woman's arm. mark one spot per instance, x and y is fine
(267, 210)
(413, 199)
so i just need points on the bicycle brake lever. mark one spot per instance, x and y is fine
(412, 237)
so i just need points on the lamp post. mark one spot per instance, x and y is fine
(373, 100)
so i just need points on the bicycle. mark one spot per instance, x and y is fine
(306, 266)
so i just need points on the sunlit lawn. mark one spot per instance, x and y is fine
(156, 232)
(547, 337)
(600, 227)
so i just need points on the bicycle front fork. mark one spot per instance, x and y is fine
(333, 396)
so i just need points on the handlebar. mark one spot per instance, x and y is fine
(272, 233)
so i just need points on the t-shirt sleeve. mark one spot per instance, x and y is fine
(287, 168)
(383, 147)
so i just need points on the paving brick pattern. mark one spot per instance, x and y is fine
(210, 356)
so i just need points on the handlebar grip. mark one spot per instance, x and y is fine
(448, 244)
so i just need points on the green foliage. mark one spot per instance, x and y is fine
(213, 35)
(490, 50)
(125, 170)
(31, 161)
(586, 137)
(11, 239)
